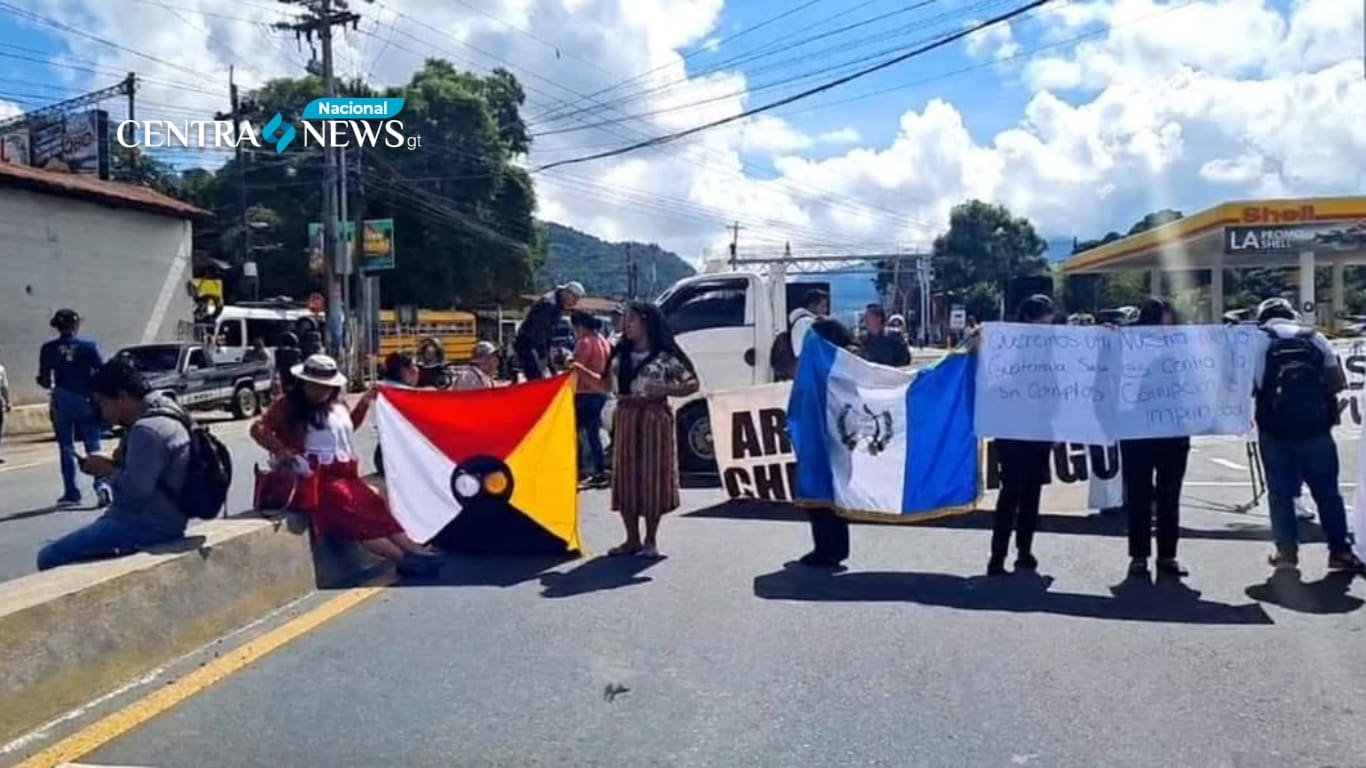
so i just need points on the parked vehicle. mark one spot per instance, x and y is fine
(1118, 316)
(186, 374)
(726, 322)
(238, 326)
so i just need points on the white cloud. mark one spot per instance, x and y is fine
(1170, 106)
(9, 109)
(996, 40)
(846, 135)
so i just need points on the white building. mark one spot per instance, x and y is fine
(118, 254)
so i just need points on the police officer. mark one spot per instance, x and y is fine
(65, 366)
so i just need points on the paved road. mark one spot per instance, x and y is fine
(731, 658)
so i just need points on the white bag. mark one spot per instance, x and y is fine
(1105, 494)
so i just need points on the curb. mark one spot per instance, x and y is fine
(27, 420)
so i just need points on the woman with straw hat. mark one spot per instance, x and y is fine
(313, 431)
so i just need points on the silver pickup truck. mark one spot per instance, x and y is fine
(187, 374)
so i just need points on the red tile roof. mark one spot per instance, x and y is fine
(110, 193)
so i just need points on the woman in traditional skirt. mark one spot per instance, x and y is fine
(313, 431)
(647, 367)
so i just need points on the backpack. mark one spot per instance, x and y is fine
(1293, 401)
(781, 358)
(208, 470)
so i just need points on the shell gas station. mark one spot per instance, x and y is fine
(1194, 251)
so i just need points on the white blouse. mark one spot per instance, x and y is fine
(334, 441)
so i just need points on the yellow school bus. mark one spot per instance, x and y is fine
(453, 328)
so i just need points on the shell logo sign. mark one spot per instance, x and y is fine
(1268, 215)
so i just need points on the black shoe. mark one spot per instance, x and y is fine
(996, 566)
(1284, 561)
(1170, 566)
(1026, 562)
(1340, 562)
(1138, 566)
(419, 566)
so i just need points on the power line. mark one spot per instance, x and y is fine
(671, 137)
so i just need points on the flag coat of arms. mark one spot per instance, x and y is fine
(873, 440)
(485, 470)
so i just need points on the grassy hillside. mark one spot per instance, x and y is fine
(601, 266)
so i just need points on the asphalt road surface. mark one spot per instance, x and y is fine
(720, 655)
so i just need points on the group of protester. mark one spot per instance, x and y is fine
(1295, 390)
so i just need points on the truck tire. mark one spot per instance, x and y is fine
(245, 404)
(696, 454)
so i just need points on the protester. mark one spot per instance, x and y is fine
(787, 346)
(1141, 460)
(536, 335)
(400, 370)
(147, 471)
(313, 431)
(1297, 383)
(310, 341)
(66, 365)
(590, 363)
(881, 345)
(1024, 469)
(647, 368)
(4, 407)
(829, 531)
(482, 371)
(287, 355)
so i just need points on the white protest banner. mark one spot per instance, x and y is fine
(749, 432)
(1096, 385)
(1352, 355)
(755, 458)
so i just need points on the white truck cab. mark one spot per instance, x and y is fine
(726, 322)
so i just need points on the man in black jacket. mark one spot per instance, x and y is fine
(829, 531)
(880, 345)
(536, 334)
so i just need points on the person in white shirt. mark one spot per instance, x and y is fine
(815, 305)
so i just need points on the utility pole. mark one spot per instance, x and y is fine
(130, 84)
(630, 274)
(734, 245)
(320, 18)
(244, 242)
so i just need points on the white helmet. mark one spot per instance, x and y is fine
(1276, 307)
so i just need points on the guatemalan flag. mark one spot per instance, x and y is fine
(876, 440)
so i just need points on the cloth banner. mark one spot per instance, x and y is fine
(1099, 385)
(485, 470)
(872, 439)
(1352, 355)
(755, 459)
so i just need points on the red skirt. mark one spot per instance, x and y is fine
(343, 505)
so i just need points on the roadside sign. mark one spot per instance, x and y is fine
(958, 317)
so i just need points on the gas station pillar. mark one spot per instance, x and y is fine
(1339, 293)
(1307, 308)
(1216, 290)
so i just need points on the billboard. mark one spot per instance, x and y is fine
(14, 147)
(1292, 238)
(76, 143)
(377, 247)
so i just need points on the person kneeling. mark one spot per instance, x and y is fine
(146, 472)
(312, 431)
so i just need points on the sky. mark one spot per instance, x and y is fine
(1082, 116)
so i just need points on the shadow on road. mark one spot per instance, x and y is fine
(597, 575)
(1168, 603)
(31, 513)
(1326, 596)
(1114, 525)
(487, 571)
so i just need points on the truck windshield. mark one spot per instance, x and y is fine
(152, 359)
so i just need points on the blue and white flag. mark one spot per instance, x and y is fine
(872, 439)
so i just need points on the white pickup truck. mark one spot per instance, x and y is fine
(726, 322)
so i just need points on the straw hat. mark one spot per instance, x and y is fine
(319, 369)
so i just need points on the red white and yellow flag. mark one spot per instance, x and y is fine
(489, 471)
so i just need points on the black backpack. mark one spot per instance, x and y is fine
(208, 470)
(1293, 401)
(781, 359)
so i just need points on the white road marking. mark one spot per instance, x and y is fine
(1229, 464)
(13, 467)
(1235, 484)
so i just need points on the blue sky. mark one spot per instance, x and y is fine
(1149, 110)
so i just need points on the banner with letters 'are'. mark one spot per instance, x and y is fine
(1099, 385)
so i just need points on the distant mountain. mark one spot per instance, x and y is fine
(601, 266)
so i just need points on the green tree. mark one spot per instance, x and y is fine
(984, 248)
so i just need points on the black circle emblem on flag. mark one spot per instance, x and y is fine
(481, 477)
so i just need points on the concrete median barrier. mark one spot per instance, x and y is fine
(71, 634)
(24, 420)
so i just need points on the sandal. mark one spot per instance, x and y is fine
(650, 552)
(622, 550)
